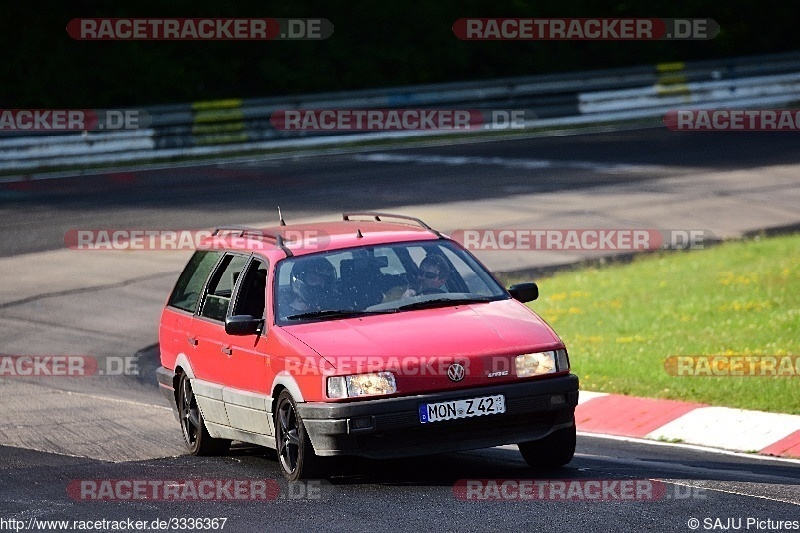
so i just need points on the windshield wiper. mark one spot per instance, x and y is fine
(440, 302)
(337, 313)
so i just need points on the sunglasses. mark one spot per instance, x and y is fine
(428, 274)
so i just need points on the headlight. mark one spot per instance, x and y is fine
(373, 384)
(536, 364)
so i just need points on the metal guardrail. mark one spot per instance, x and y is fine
(599, 96)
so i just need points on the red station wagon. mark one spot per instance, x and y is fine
(374, 336)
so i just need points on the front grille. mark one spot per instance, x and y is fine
(396, 420)
(527, 404)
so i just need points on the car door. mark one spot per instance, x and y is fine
(211, 362)
(246, 394)
(175, 336)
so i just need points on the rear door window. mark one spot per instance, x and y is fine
(190, 284)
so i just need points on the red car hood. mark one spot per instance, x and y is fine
(411, 342)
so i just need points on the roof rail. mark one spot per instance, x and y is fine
(254, 233)
(241, 229)
(378, 217)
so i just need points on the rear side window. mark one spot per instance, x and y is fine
(190, 284)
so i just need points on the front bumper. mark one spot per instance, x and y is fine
(390, 427)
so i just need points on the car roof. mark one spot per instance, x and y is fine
(302, 239)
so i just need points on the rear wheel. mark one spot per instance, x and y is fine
(194, 429)
(295, 453)
(553, 451)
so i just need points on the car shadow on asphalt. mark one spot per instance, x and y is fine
(444, 470)
(433, 470)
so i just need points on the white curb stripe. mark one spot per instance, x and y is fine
(585, 395)
(695, 447)
(732, 429)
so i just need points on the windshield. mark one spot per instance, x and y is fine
(380, 279)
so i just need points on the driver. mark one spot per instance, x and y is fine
(431, 277)
(313, 284)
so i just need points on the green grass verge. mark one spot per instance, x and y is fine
(621, 322)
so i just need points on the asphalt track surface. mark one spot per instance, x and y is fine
(36, 214)
(56, 432)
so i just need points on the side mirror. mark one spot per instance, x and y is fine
(524, 292)
(243, 325)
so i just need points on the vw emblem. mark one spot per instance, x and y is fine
(456, 372)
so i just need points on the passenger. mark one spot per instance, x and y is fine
(431, 276)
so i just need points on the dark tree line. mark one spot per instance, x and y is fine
(375, 44)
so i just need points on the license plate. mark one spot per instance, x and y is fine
(454, 409)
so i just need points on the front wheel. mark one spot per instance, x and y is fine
(194, 429)
(553, 451)
(295, 452)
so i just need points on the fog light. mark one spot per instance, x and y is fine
(557, 399)
(364, 422)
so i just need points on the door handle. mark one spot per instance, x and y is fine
(192, 341)
(227, 350)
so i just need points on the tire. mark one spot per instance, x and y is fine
(553, 451)
(193, 426)
(296, 456)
